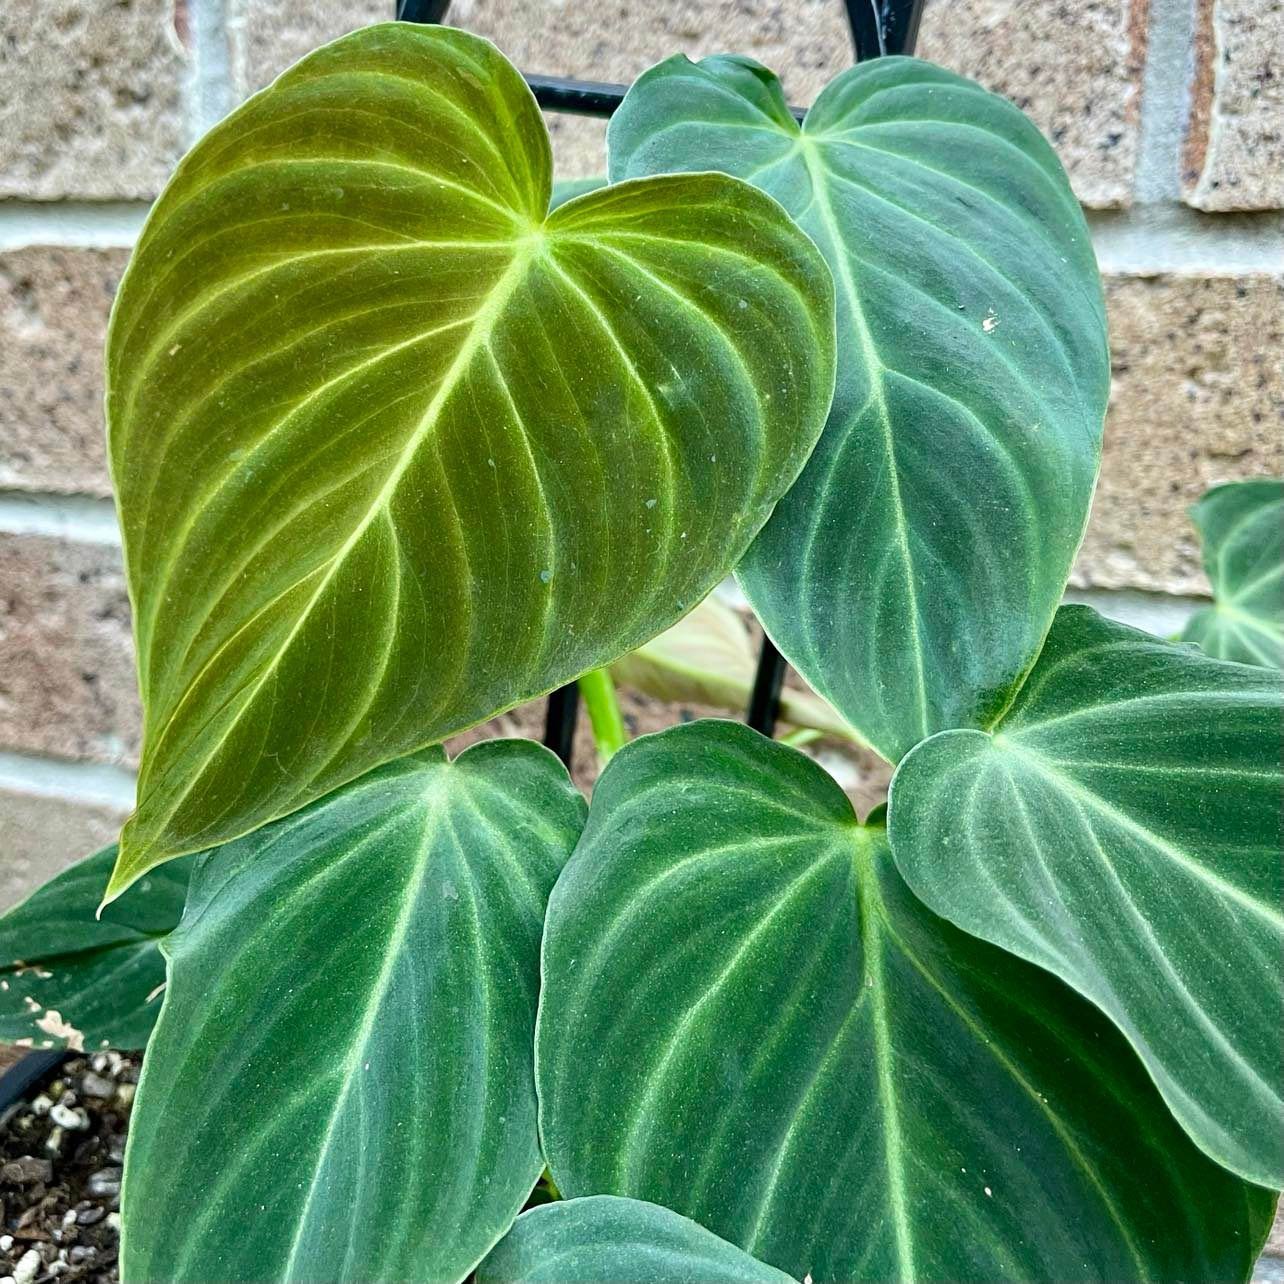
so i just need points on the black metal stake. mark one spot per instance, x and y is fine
(559, 721)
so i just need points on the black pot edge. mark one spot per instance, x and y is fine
(30, 1070)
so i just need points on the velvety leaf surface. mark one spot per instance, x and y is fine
(749, 1018)
(606, 1239)
(1241, 526)
(394, 452)
(68, 978)
(912, 572)
(1122, 828)
(340, 1085)
(707, 658)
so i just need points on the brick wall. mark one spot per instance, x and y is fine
(1169, 115)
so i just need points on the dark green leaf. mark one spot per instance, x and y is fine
(340, 1085)
(1122, 828)
(749, 1018)
(70, 979)
(394, 452)
(1241, 525)
(604, 1239)
(912, 572)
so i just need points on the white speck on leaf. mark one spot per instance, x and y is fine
(545, 576)
(650, 503)
(52, 1023)
(990, 322)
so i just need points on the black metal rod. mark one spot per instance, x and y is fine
(881, 27)
(587, 97)
(764, 699)
(559, 721)
(422, 10)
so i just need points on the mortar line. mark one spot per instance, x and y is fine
(90, 783)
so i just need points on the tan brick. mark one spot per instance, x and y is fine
(90, 104)
(67, 685)
(1235, 140)
(40, 835)
(805, 41)
(1197, 398)
(54, 304)
(1074, 66)
(265, 36)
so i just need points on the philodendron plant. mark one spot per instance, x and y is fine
(396, 449)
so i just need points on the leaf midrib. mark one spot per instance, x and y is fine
(377, 995)
(817, 173)
(872, 941)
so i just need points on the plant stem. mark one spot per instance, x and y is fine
(800, 736)
(609, 733)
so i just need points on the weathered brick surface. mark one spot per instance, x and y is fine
(41, 835)
(1081, 84)
(1074, 66)
(54, 304)
(1235, 140)
(90, 98)
(1198, 398)
(67, 684)
(805, 42)
(265, 36)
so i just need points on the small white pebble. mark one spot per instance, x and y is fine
(6, 1243)
(66, 1117)
(41, 1105)
(28, 1266)
(112, 1220)
(69, 1217)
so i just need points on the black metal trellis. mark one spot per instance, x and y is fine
(877, 27)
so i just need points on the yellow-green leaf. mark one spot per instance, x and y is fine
(395, 451)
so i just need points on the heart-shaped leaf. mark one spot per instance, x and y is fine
(1241, 525)
(748, 1017)
(707, 658)
(394, 451)
(1122, 828)
(72, 979)
(605, 1239)
(340, 1083)
(912, 572)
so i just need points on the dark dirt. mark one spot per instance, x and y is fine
(61, 1151)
